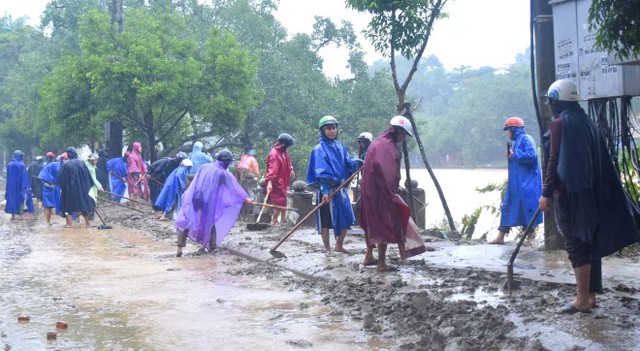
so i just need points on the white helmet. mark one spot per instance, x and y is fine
(403, 122)
(365, 136)
(563, 90)
(187, 162)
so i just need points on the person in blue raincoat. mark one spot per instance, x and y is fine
(117, 168)
(17, 187)
(329, 166)
(51, 187)
(524, 185)
(198, 157)
(169, 199)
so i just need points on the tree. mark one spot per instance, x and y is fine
(616, 22)
(164, 86)
(404, 27)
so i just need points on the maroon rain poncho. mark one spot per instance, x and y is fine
(214, 198)
(384, 216)
(279, 173)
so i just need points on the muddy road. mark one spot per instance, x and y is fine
(123, 289)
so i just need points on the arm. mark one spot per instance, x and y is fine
(551, 175)
(525, 152)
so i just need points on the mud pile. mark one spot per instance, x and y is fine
(424, 307)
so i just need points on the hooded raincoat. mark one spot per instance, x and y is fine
(96, 183)
(51, 185)
(136, 171)
(383, 214)
(329, 166)
(75, 184)
(117, 168)
(581, 173)
(279, 173)
(36, 184)
(524, 186)
(159, 171)
(174, 186)
(198, 157)
(214, 198)
(17, 185)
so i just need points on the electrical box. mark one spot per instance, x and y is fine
(596, 73)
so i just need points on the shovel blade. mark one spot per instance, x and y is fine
(277, 254)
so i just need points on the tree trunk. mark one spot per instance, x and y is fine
(406, 111)
(114, 130)
(544, 67)
(151, 153)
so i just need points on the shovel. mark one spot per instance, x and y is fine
(257, 225)
(121, 205)
(128, 199)
(278, 254)
(103, 225)
(510, 282)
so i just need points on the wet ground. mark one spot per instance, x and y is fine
(123, 289)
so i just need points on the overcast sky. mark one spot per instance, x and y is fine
(477, 32)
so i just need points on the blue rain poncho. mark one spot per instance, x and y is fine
(51, 186)
(174, 187)
(329, 166)
(117, 168)
(524, 186)
(198, 157)
(17, 184)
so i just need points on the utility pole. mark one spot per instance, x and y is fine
(544, 67)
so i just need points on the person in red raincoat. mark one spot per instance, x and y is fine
(383, 214)
(136, 171)
(279, 174)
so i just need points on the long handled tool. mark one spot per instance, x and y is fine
(266, 198)
(510, 281)
(103, 225)
(275, 206)
(278, 254)
(129, 199)
(121, 205)
(257, 225)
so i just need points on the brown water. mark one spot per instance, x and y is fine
(118, 290)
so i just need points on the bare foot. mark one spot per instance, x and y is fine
(497, 241)
(386, 268)
(341, 249)
(371, 262)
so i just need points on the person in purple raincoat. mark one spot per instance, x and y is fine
(211, 204)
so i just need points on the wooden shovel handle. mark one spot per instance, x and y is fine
(315, 209)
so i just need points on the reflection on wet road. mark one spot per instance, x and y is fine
(119, 290)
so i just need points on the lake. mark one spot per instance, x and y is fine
(459, 188)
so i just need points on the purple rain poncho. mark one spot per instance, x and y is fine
(213, 198)
(17, 184)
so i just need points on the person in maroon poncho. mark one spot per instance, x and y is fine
(279, 174)
(136, 174)
(383, 214)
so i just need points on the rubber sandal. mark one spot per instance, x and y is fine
(571, 309)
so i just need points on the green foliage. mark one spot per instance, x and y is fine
(616, 23)
(401, 25)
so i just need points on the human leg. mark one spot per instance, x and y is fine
(382, 252)
(502, 232)
(340, 241)
(87, 220)
(182, 241)
(69, 221)
(47, 215)
(324, 232)
(368, 256)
